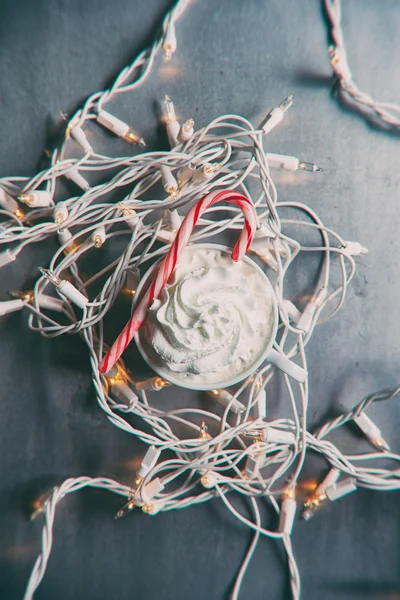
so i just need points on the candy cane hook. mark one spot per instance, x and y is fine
(168, 265)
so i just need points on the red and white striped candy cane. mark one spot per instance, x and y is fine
(168, 265)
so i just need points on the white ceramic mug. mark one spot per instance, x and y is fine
(268, 354)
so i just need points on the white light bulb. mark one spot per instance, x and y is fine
(36, 199)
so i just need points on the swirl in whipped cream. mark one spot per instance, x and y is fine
(214, 320)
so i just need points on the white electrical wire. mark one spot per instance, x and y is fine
(386, 114)
(216, 444)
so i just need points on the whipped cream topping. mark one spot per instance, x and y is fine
(213, 320)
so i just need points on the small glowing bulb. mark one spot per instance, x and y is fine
(126, 210)
(117, 373)
(207, 171)
(286, 103)
(331, 489)
(380, 444)
(312, 504)
(188, 125)
(173, 193)
(307, 166)
(161, 383)
(209, 479)
(38, 508)
(7, 202)
(26, 296)
(210, 169)
(137, 483)
(60, 213)
(132, 281)
(19, 213)
(268, 258)
(26, 198)
(204, 435)
(290, 494)
(371, 431)
(154, 383)
(134, 139)
(125, 510)
(39, 505)
(99, 236)
(49, 275)
(36, 199)
(275, 116)
(130, 215)
(169, 45)
(169, 182)
(186, 131)
(167, 52)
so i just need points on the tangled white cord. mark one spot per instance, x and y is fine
(227, 452)
(386, 114)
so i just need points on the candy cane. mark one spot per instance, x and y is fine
(168, 265)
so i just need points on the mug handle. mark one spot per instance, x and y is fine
(287, 366)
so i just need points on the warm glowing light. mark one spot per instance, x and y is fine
(126, 509)
(380, 444)
(132, 138)
(312, 504)
(170, 70)
(290, 494)
(205, 481)
(126, 210)
(161, 383)
(19, 213)
(71, 248)
(204, 431)
(309, 486)
(188, 125)
(38, 505)
(28, 296)
(26, 198)
(37, 508)
(172, 192)
(97, 241)
(167, 52)
(128, 291)
(211, 169)
(117, 374)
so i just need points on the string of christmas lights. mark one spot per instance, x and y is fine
(384, 114)
(231, 448)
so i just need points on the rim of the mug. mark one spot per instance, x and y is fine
(168, 374)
